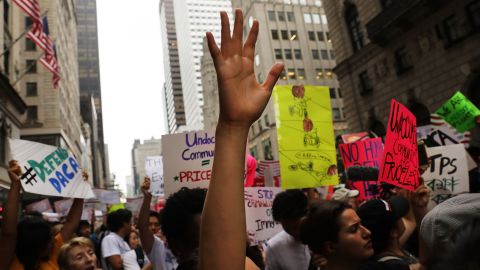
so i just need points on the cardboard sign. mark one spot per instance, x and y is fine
(258, 209)
(188, 160)
(49, 170)
(305, 136)
(107, 196)
(42, 206)
(63, 206)
(459, 112)
(400, 156)
(366, 153)
(154, 170)
(448, 174)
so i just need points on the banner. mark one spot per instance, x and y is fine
(134, 205)
(448, 174)
(367, 153)
(188, 160)
(49, 170)
(42, 206)
(305, 136)
(107, 196)
(459, 112)
(399, 165)
(154, 170)
(258, 209)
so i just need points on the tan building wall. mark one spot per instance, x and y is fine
(418, 52)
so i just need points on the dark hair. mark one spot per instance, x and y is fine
(155, 214)
(179, 214)
(290, 204)
(321, 224)
(116, 219)
(81, 224)
(33, 237)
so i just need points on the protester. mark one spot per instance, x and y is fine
(84, 229)
(113, 245)
(31, 244)
(347, 196)
(242, 100)
(77, 254)
(135, 259)
(154, 223)
(285, 250)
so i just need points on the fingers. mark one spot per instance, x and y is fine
(225, 30)
(214, 50)
(273, 75)
(237, 36)
(249, 46)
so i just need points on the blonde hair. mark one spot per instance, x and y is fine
(62, 258)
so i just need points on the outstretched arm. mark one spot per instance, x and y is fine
(8, 237)
(146, 236)
(242, 101)
(73, 217)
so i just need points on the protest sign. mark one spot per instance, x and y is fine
(353, 137)
(459, 112)
(448, 174)
(115, 207)
(367, 153)
(49, 170)
(63, 206)
(188, 160)
(107, 196)
(87, 214)
(154, 170)
(399, 165)
(258, 209)
(42, 206)
(134, 204)
(305, 136)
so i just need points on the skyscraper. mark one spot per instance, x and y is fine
(184, 23)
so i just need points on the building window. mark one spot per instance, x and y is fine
(328, 36)
(291, 74)
(336, 114)
(402, 60)
(32, 89)
(267, 149)
(278, 54)
(274, 34)
(473, 14)
(301, 74)
(290, 16)
(332, 93)
(288, 53)
(318, 3)
(307, 18)
(253, 150)
(319, 74)
(320, 36)
(30, 45)
(267, 122)
(316, 18)
(332, 55)
(339, 93)
(284, 34)
(293, 35)
(283, 75)
(453, 30)
(31, 66)
(311, 35)
(324, 54)
(315, 55)
(328, 74)
(271, 15)
(298, 53)
(32, 113)
(324, 19)
(353, 24)
(365, 83)
(28, 22)
(281, 16)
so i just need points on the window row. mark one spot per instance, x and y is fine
(293, 35)
(297, 53)
(320, 36)
(281, 16)
(315, 18)
(299, 74)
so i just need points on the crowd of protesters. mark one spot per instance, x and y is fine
(200, 229)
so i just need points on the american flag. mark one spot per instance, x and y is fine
(31, 7)
(274, 164)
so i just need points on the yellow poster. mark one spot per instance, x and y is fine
(305, 136)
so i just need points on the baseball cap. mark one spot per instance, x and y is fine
(342, 194)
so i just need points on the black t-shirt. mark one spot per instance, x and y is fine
(374, 265)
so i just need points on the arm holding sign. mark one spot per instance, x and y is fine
(8, 236)
(73, 217)
(146, 235)
(242, 101)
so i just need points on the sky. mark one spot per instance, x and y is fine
(131, 73)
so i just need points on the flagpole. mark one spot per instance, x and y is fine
(27, 69)
(20, 37)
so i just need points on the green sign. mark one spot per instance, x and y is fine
(459, 112)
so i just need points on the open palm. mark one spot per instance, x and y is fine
(242, 98)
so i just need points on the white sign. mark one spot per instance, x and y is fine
(107, 196)
(134, 204)
(42, 206)
(49, 170)
(62, 207)
(154, 170)
(188, 160)
(448, 174)
(258, 210)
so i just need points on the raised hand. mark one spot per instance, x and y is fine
(242, 98)
(145, 187)
(14, 171)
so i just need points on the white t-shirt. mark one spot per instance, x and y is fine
(130, 260)
(161, 257)
(283, 252)
(112, 244)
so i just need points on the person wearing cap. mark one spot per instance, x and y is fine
(384, 220)
(347, 196)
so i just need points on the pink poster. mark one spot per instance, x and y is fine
(367, 153)
(400, 156)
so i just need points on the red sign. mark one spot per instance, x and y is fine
(367, 153)
(400, 156)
